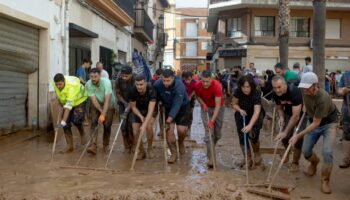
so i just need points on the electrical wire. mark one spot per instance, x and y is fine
(175, 13)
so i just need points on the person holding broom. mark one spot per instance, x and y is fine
(102, 109)
(246, 102)
(289, 104)
(176, 105)
(72, 96)
(323, 117)
(143, 99)
(210, 97)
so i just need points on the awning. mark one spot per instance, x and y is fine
(78, 31)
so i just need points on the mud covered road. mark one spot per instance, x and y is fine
(26, 173)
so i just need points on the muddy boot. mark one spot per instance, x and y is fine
(296, 158)
(173, 151)
(346, 150)
(241, 164)
(314, 160)
(326, 174)
(150, 152)
(257, 155)
(141, 154)
(127, 145)
(182, 148)
(82, 135)
(69, 140)
(106, 138)
(93, 146)
(210, 159)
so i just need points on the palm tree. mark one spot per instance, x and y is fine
(284, 18)
(319, 31)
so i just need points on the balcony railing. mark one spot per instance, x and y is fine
(334, 1)
(127, 6)
(144, 22)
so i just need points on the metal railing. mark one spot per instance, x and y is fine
(128, 6)
(144, 21)
(337, 1)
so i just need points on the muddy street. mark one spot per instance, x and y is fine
(26, 172)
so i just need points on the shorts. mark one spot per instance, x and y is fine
(183, 117)
(136, 119)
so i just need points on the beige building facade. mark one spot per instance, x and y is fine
(248, 32)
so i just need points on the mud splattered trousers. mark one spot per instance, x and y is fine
(95, 114)
(217, 124)
(328, 132)
(255, 132)
(346, 121)
(76, 116)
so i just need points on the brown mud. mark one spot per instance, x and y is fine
(26, 172)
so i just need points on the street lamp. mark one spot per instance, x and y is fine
(161, 21)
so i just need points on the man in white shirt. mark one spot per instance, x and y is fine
(104, 73)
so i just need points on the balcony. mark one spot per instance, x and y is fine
(113, 10)
(143, 25)
(127, 6)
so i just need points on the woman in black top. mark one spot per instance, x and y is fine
(246, 102)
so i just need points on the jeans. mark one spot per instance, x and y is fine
(95, 114)
(328, 132)
(346, 122)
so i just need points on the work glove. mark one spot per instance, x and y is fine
(204, 107)
(102, 118)
(211, 124)
(61, 124)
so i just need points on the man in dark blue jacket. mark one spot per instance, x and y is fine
(172, 95)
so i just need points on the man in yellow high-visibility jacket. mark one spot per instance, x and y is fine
(72, 96)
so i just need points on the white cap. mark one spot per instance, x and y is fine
(307, 80)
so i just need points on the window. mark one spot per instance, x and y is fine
(264, 26)
(299, 27)
(204, 46)
(233, 27)
(191, 49)
(204, 25)
(191, 30)
(333, 29)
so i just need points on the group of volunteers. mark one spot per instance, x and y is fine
(171, 97)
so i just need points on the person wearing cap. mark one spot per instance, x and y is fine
(323, 117)
(344, 90)
(123, 87)
(289, 104)
(176, 108)
(102, 107)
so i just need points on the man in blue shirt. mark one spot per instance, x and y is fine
(81, 71)
(173, 97)
(344, 90)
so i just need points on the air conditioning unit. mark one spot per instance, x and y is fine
(311, 43)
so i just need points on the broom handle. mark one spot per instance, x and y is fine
(114, 141)
(273, 123)
(211, 144)
(274, 158)
(87, 144)
(56, 133)
(285, 154)
(136, 151)
(165, 142)
(245, 153)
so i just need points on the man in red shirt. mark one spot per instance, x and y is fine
(209, 95)
(190, 84)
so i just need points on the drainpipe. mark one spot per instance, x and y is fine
(65, 34)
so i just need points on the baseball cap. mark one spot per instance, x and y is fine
(307, 80)
(126, 70)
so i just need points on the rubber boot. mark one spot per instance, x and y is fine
(127, 145)
(69, 140)
(241, 164)
(210, 159)
(106, 138)
(257, 155)
(141, 154)
(326, 174)
(314, 160)
(93, 146)
(173, 151)
(346, 159)
(181, 143)
(296, 158)
(82, 135)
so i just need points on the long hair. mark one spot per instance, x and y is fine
(247, 78)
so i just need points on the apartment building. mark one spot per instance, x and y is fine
(246, 31)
